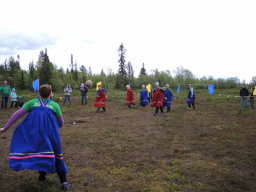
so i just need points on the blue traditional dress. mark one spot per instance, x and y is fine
(191, 96)
(143, 97)
(169, 95)
(36, 142)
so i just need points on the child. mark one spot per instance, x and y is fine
(157, 100)
(14, 98)
(168, 99)
(36, 142)
(129, 97)
(144, 96)
(84, 95)
(100, 98)
(191, 97)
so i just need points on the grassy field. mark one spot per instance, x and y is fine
(212, 148)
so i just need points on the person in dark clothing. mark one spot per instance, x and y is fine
(244, 93)
(84, 95)
(252, 98)
(191, 97)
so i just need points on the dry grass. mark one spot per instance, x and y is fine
(212, 148)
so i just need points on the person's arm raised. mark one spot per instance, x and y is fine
(18, 114)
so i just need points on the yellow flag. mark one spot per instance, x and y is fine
(149, 88)
(99, 83)
(254, 92)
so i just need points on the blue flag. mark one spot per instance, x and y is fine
(211, 89)
(178, 90)
(35, 85)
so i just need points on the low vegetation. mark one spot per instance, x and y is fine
(212, 148)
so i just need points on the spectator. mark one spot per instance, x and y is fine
(5, 91)
(244, 93)
(252, 98)
(67, 91)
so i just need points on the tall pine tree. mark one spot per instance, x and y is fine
(143, 70)
(32, 70)
(122, 75)
(45, 69)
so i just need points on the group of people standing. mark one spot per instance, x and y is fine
(68, 91)
(7, 92)
(244, 93)
(160, 98)
(100, 100)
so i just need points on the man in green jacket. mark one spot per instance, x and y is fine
(5, 91)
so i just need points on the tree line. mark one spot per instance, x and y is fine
(47, 72)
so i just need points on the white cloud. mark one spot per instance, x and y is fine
(213, 37)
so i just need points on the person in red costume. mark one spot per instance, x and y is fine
(157, 100)
(100, 98)
(129, 97)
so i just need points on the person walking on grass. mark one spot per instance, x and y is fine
(67, 91)
(5, 91)
(14, 98)
(35, 142)
(157, 100)
(167, 102)
(252, 98)
(191, 97)
(129, 97)
(144, 96)
(100, 98)
(244, 93)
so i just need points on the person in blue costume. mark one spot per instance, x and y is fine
(167, 102)
(35, 142)
(144, 96)
(191, 97)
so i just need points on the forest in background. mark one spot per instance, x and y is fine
(48, 72)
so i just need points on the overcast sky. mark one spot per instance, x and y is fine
(209, 37)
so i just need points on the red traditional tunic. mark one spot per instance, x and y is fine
(129, 97)
(157, 100)
(100, 99)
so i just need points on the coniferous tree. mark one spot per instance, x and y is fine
(22, 81)
(45, 69)
(143, 70)
(13, 66)
(122, 75)
(121, 61)
(31, 69)
(102, 73)
(72, 65)
(75, 72)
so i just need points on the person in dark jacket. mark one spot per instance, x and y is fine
(84, 95)
(244, 93)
